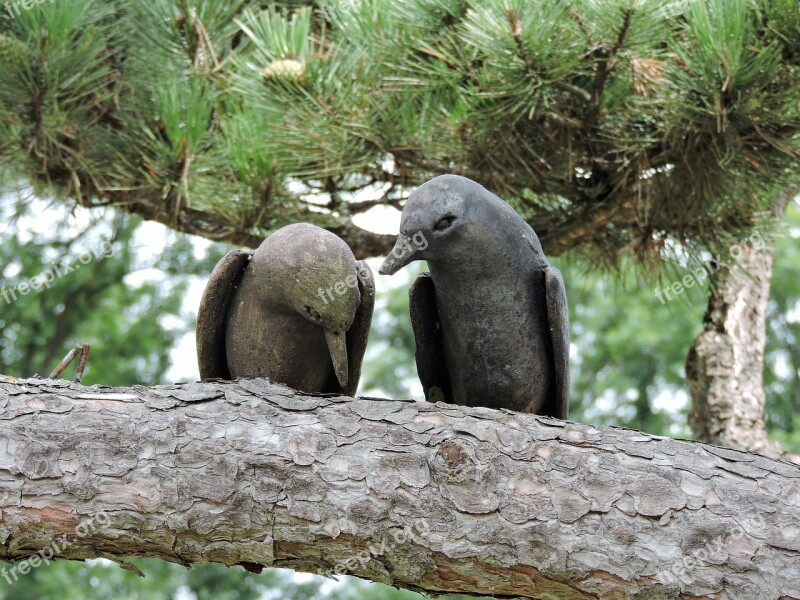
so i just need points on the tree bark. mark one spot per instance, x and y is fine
(428, 497)
(724, 367)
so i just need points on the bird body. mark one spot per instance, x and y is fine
(297, 310)
(490, 320)
(267, 333)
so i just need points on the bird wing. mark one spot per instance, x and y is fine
(359, 331)
(213, 311)
(558, 320)
(431, 366)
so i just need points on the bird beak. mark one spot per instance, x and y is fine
(337, 346)
(404, 252)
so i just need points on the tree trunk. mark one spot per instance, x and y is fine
(429, 497)
(724, 367)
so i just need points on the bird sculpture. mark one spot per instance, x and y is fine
(490, 319)
(297, 311)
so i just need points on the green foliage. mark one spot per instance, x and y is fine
(94, 580)
(389, 370)
(279, 37)
(53, 95)
(89, 297)
(181, 35)
(630, 352)
(101, 580)
(782, 360)
(625, 128)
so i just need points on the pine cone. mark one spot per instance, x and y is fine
(288, 69)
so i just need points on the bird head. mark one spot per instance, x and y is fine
(312, 272)
(434, 218)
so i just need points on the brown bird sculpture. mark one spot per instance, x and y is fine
(297, 311)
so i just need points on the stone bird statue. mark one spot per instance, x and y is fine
(490, 320)
(297, 310)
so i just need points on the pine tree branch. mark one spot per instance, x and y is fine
(574, 90)
(104, 143)
(428, 497)
(606, 58)
(530, 68)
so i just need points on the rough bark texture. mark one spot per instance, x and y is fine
(364, 243)
(424, 496)
(725, 364)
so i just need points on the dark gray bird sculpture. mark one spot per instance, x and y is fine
(297, 311)
(490, 320)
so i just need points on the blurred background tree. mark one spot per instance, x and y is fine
(782, 364)
(131, 322)
(100, 580)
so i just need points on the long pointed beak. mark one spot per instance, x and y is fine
(337, 346)
(403, 253)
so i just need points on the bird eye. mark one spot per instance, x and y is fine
(444, 223)
(312, 313)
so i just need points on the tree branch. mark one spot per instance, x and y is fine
(364, 243)
(430, 497)
(606, 58)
